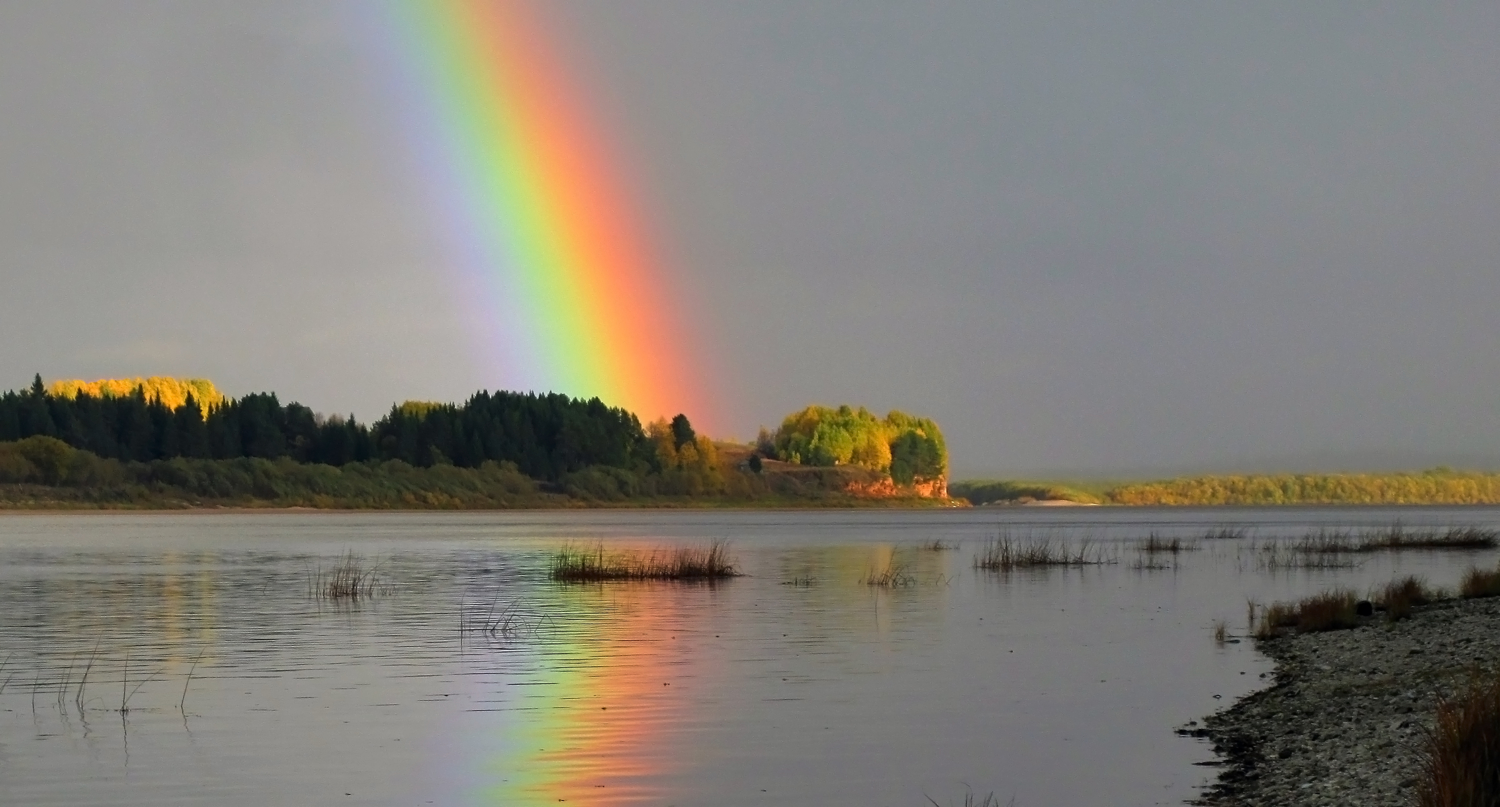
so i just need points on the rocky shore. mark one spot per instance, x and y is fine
(1345, 720)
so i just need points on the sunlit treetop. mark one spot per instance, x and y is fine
(173, 392)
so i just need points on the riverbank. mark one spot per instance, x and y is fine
(46, 499)
(1345, 720)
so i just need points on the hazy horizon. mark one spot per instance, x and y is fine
(1087, 239)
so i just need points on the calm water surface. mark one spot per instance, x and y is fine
(1058, 687)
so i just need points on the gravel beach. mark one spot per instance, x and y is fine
(1344, 722)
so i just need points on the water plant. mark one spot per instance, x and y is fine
(938, 545)
(1221, 631)
(1278, 556)
(1004, 554)
(894, 575)
(1461, 756)
(575, 564)
(970, 800)
(506, 621)
(1397, 537)
(349, 579)
(1157, 544)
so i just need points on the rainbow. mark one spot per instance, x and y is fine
(571, 296)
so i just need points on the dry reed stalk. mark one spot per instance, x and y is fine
(1480, 583)
(182, 703)
(893, 576)
(1004, 554)
(1156, 544)
(1399, 596)
(349, 579)
(1221, 631)
(1396, 537)
(1331, 610)
(1461, 759)
(575, 564)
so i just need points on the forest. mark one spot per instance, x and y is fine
(144, 442)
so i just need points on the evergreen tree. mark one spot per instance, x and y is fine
(682, 431)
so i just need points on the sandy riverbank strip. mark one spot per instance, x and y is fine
(1345, 720)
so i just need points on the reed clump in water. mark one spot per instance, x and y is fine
(1331, 610)
(349, 579)
(1394, 538)
(970, 800)
(1461, 759)
(938, 545)
(1221, 631)
(1279, 556)
(573, 564)
(1006, 554)
(1157, 544)
(894, 575)
(1398, 538)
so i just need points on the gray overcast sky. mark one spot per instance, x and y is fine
(1083, 236)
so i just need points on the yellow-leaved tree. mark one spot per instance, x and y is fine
(173, 392)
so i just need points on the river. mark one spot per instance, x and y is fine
(156, 659)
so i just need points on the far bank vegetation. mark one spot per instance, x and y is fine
(166, 443)
(1434, 486)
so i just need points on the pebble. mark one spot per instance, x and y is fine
(1344, 720)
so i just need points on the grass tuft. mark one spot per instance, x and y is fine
(1461, 760)
(1006, 554)
(1331, 610)
(1401, 595)
(1479, 582)
(1398, 538)
(349, 579)
(1157, 544)
(573, 564)
(894, 575)
(938, 545)
(1221, 631)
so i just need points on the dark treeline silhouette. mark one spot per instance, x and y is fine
(545, 436)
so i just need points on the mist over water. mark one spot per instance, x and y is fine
(475, 680)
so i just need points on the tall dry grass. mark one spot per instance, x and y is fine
(1399, 596)
(1331, 610)
(1461, 759)
(1479, 582)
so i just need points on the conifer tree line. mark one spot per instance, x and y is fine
(546, 436)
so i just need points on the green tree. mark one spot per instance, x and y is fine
(682, 431)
